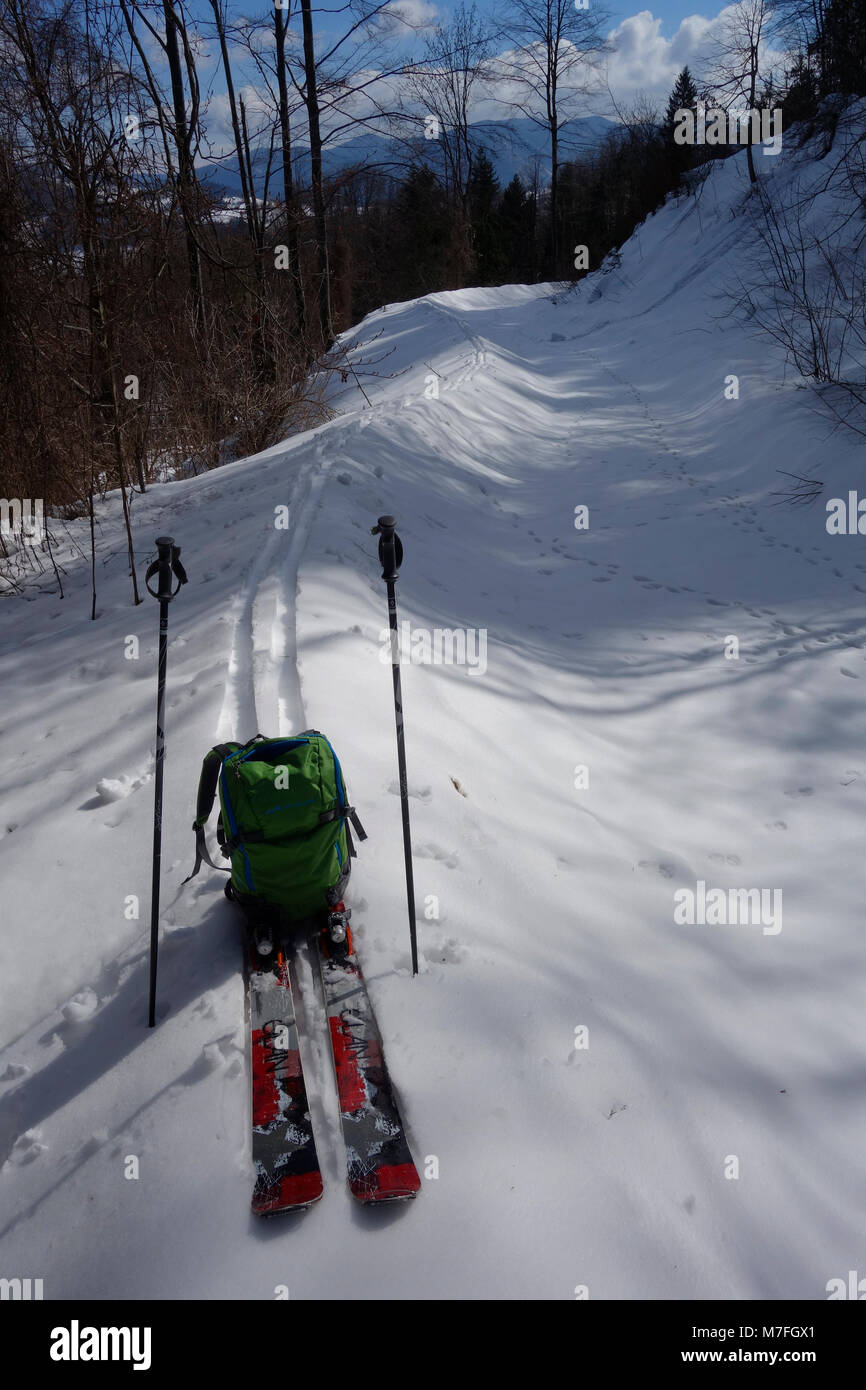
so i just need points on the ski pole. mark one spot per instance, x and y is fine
(391, 558)
(167, 563)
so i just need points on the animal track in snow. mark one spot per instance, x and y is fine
(81, 1006)
(205, 1006)
(14, 1072)
(666, 870)
(419, 793)
(27, 1147)
(447, 951)
(442, 856)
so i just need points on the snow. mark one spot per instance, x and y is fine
(546, 906)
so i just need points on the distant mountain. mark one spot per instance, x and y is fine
(514, 147)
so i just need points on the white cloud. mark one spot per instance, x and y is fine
(404, 17)
(644, 60)
(641, 60)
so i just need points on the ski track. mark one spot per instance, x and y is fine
(239, 711)
(289, 711)
(262, 683)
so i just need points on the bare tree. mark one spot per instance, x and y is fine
(241, 150)
(455, 62)
(311, 96)
(70, 92)
(557, 51)
(805, 281)
(736, 58)
(343, 83)
(113, 368)
(180, 137)
(184, 137)
(281, 25)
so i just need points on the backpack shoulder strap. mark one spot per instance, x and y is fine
(210, 771)
(207, 783)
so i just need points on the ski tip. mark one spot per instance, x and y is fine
(294, 1192)
(397, 1182)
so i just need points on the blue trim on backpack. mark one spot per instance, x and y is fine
(340, 797)
(339, 770)
(290, 742)
(233, 826)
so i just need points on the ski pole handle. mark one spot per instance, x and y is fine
(164, 566)
(390, 547)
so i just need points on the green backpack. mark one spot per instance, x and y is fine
(284, 824)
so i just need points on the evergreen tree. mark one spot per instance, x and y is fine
(422, 235)
(517, 220)
(801, 99)
(486, 231)
(684, 97)
(829, 37)
(843, 47)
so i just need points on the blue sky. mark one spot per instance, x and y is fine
(649, 48)
(670, 12)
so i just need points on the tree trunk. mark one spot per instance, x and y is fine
(247, 193)
(106, 351)
(293, 240)
(103, 356)
(753, 177)
(554, 198)
(92, 552)
(185, 174)
(320, 224)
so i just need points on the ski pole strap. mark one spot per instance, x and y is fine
(202, 855)
(177, 570)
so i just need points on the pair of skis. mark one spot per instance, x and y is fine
(378, 1162)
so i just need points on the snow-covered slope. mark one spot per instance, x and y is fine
(707, 1142)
